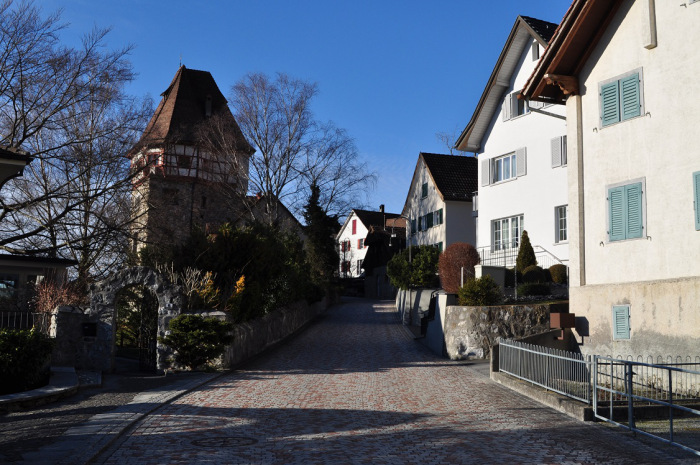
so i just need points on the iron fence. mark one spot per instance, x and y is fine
(674, 389)
(566, 373)
(506, 257)
(26, 320)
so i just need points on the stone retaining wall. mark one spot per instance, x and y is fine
(470, 332)
(253, 337)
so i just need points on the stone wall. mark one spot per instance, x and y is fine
(254, 337)
(67, 331)
(470, 332)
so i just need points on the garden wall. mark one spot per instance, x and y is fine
(254, 337)
(470, 332)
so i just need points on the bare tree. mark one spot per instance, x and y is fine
(293, 149)
(67, 107)
(449, 138)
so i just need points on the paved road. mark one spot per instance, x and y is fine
(354, 388)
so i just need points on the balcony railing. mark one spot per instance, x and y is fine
(506, 257)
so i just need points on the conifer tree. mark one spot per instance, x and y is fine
(320, 231)
(526, 255)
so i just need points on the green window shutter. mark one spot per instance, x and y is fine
(424, 190)
(439, 246)
(616, 201)
(621, 321)
(696, 191)
(440, 218)
(413, 226)
(633, 197)
(629, 100)
(429, 220)
(610, 103)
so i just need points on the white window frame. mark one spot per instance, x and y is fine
(511, 164)
(561, 224)
(512, 226)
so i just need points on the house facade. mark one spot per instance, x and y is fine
(625, 71)
(350, 240)
(521, 148)
(439, 202)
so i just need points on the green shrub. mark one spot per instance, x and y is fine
(526, 255)
(530, 289)
(24, 356)
(558, 273)
(511, 276)
(421, 271)
(455, 257)
(534, 274)
(197, 340)
(480, 291)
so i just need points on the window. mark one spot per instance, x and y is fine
(696, 203)
(514, 107)
(345, 266)
(559, 157)
(621, 98)
(506, 232)
(625, 211)
(360, 243)
(535, 50)
(621, 321)
(560, 214)
(359, 266)
(354, 227)
(505, 167)
(437, 217)
(422, 224)
(424, 190)
(413, 226)
(345, 246)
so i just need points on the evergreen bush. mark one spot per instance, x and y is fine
(420, 272)
(534, 274)
(558, 273)
(197, 340)
(24, 357)
(480, 291)
(455, 257)
(532, 289)
(526, 254)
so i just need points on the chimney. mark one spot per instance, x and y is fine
(381, 208)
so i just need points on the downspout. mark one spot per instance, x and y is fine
(580, 191)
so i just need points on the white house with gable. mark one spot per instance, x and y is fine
(439, 201)
(521, 148)
(350, 240)
(627, 74)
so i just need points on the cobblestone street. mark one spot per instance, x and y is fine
(354, 388)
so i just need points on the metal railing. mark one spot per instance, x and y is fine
(566, 373)
(507, 257)
(674, 388)
(26, 320)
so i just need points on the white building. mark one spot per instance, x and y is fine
(439, 201)
(522, 157)
(350, 240)
(626, 71)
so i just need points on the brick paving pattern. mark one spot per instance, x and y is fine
(354, 388)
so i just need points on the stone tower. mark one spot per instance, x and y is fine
(190, 166)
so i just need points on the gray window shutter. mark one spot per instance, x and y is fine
(508, 107)
(696, 203)
(621, 321)
(616, 211)
(521, 161)
(556, 152)
(634, 224)
(610, 103)
(564, 153)
(485, 172)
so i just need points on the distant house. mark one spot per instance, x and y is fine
(521, 149)
(350, 239)
(626, 72)
(382, 243)
(439, 203)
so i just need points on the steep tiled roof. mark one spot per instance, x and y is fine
(185, 104)
(374, 218)
(455, 176)
(544, 29)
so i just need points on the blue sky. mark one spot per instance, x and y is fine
(392, 73)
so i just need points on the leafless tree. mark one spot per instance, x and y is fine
(67, 107)
(293, 149)
(449, 138)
